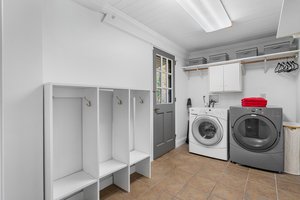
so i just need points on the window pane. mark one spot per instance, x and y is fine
(158, 96)
(170, 96)
(158, 62)
(163, 80)
(169, 66)
(170, 81)
(164, 65)
(158, 79)
(163, 96)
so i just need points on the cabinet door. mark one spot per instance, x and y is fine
(215, 79)
(232, 77)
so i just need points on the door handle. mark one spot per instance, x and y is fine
(156, 110)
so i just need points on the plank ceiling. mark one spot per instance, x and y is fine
(252, 19)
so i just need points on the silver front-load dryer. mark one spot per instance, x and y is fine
(256, 137)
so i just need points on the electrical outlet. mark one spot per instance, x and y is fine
(214, 97)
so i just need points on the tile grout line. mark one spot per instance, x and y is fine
(175, 196)
(212, 190)
(183, 186)
(276, 188)
(155, 184)
(218, 181)
(245, 187)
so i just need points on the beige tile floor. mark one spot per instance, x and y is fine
(180, 175)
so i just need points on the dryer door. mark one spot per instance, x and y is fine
(255, 133)
(207, 130)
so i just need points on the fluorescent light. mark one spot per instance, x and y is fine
(210, 14)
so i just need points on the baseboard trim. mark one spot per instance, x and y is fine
(180, 141)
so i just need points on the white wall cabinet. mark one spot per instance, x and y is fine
(225, 78)
(216, 79)
(92, 133)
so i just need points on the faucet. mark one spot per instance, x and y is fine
(211, 103)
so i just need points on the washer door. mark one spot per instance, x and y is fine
(207, 130)
(255, 133)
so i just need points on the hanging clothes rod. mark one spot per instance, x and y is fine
(198, 69)
(88, 102)
(106, 90)
(268, 59)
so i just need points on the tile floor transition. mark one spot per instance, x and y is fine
(180, 175)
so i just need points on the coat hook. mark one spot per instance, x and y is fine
(119, 100)
(88, 104)
(141, 100)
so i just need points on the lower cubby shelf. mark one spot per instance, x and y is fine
(66, 186)
(109, 167)
(137, 156)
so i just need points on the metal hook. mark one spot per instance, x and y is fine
(119, 100)
(141, 100)
(88, 104)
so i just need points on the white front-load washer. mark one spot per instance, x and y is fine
(208, 132)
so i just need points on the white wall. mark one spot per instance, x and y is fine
(22, 100)
(280, 89)
(298, 90)
(181, 93)
(78, 48)
(1, 117)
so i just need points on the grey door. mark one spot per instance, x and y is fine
(164, 102)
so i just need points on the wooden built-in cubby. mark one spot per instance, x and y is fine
(70, 142)
(91, 134)
(140, 131)
(114, 136)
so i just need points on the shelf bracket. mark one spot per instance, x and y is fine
(265, 66)
(243, 69)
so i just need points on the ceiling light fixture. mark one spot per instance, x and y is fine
(210, 14)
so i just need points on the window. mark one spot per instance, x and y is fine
(164, 80)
